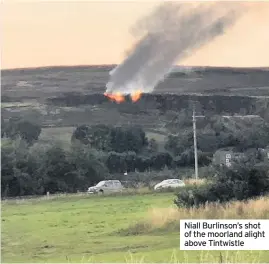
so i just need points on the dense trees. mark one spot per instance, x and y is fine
(97, 152)
(108, 138)
(94, 153)
(16, 174)
(36, 169)
(220, 132)
(21, 128)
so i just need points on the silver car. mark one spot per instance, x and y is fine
(170, 183)
(108, 186)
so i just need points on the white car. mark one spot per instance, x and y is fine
(170, 183)
(108, 186)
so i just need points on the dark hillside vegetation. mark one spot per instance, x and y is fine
(97, 152)
(100, 139)
(209, 104)
(50, 81)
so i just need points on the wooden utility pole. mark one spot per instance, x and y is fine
(195, 142)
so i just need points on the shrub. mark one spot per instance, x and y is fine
(23, 129)
(195, 195)
(238, 183)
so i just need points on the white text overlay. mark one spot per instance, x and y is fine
(224, 234)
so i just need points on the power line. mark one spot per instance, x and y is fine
(194, 116)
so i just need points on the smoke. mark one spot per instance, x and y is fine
(170, 34)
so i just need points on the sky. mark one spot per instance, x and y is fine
(51, 33)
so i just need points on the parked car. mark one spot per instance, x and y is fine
(170, 183)
(108, 186)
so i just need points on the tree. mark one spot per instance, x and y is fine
(143, 163)
(128, 139)
(160, 160)
(107, 138)
(240, 182)
(97, 136)
(152, 145)
(54, 168)
(24, 129)
(207, 141)
(178, 144)
(2, 127)
(16, 169)
(81, 134)
(88, 167)
(7, 164)
(116, 162)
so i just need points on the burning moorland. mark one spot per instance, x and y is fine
(119, 97)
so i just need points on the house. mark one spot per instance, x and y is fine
(264, 154)
(226, 157)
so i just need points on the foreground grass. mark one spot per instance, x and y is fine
(167, 219)
(100, 229)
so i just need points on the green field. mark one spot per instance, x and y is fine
(61, 134)
(93, 229)
(64, 134)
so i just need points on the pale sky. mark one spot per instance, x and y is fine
(39, 33)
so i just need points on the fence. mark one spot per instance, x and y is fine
(42, 197)
(130, 187)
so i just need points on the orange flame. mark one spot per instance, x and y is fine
(136, 96)
(117, 97)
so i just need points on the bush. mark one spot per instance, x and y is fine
(238, 183)
(195, 195)
(21, 128)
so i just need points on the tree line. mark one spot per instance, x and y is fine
(219, 104)
(96, 152)
(244, 181)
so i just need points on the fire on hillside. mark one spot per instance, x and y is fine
(119, 97)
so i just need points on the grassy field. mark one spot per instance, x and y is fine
(61, 134)
(127, 228)
(64, 134)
